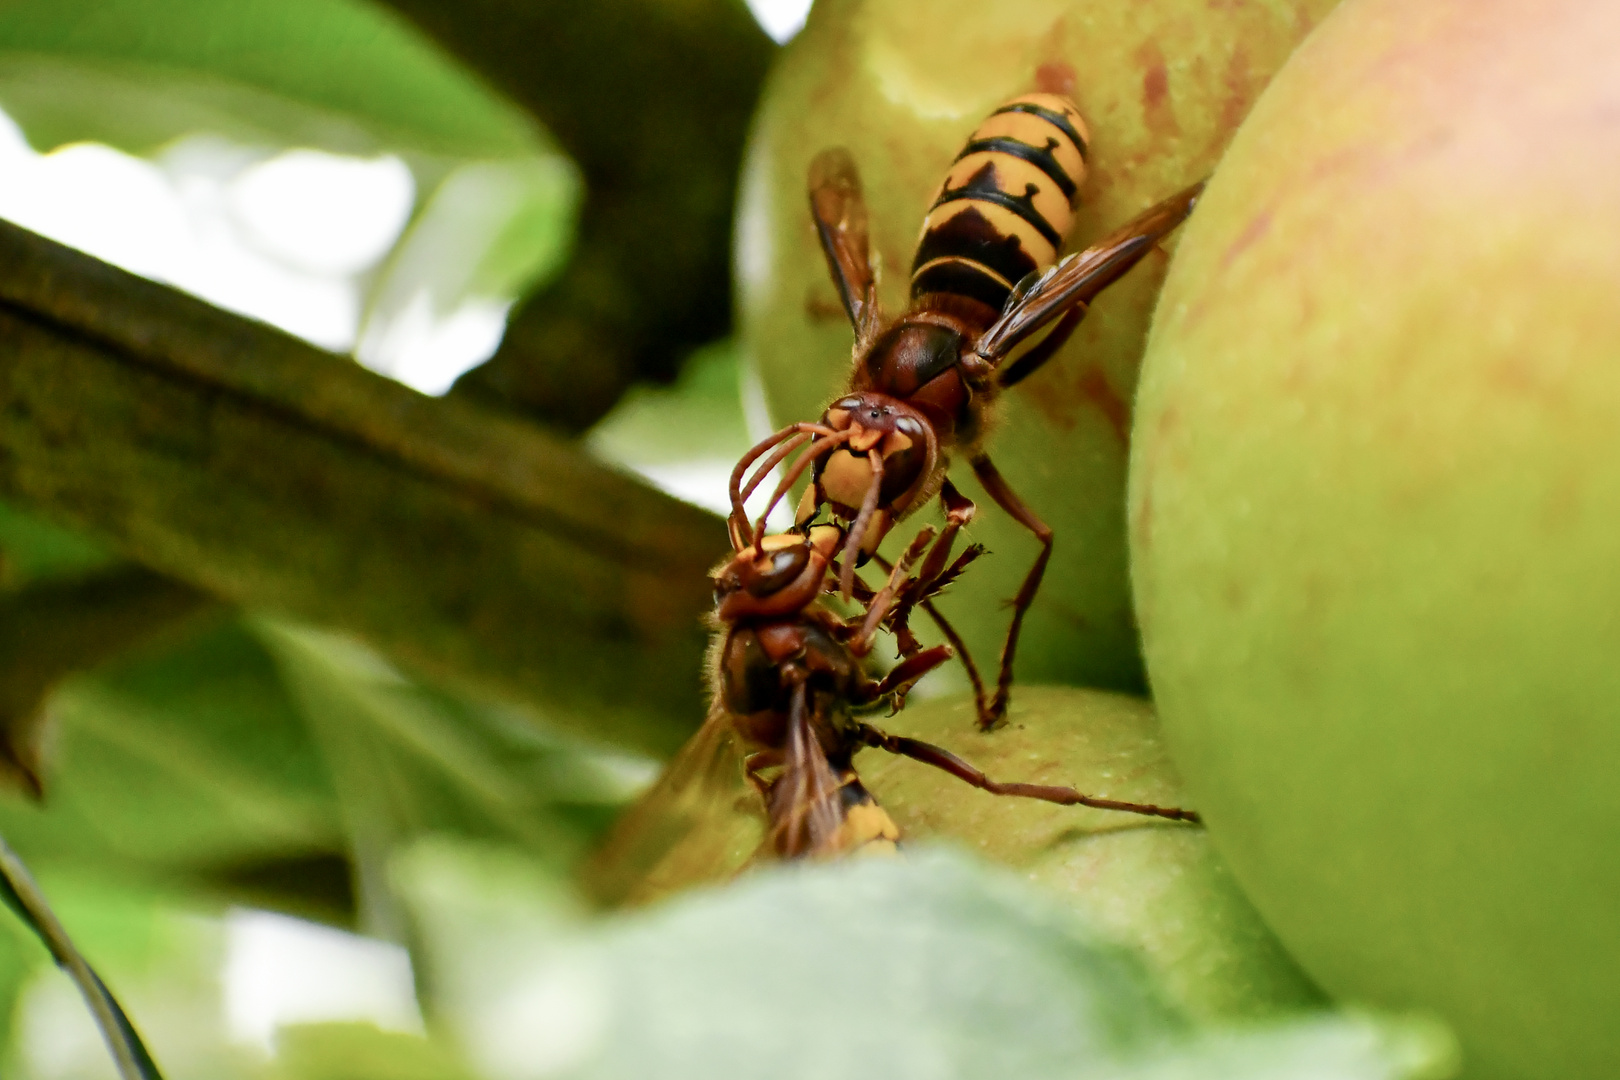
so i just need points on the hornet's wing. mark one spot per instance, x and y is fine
(699, 822)
(1075, 281)
(839, 211)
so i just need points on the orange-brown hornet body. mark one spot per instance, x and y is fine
(787, 674)
(789, 680)
(985, 280)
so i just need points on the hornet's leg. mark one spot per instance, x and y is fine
(958, 512)
(900, 679)
(884, 600)
(962, 653)
(998, 490)
(910, 646)
(940, 758)
(905, 674)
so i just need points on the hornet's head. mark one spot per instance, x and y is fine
(907, 451)
(779, 576)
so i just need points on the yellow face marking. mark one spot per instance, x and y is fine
(780, 541)
(838, 419)
(846, 478)
(864, 438)
(807, 506)
(826, 539)
(898, 442)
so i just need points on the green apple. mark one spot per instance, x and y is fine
(1375, 518)
(902, 83)
(1151, 884)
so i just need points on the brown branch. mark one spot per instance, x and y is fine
(652, 99)
(267, 472)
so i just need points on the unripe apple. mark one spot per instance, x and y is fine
(1375, 518)
(1154, 885)
(901, 84)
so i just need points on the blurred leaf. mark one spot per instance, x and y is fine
(33, 548)
(1351, 1046)
(52, 628)
(483, 919)
(485, 235)
(21, 955)
(409, 761)
(920, 967)
(696, 419)
(187, 759)
(355, 1051)
(342, 75)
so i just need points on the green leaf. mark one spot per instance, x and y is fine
(190, 758)
(1348, 1046)
(32, 548)
(698, 419)
(918, 967)
(356, 1051)
(409, 761)
(342, 75)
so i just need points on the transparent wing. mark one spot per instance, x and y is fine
(699, 822)
(806, 807)
(839, 211)
(1078, 278)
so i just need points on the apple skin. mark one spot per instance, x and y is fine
(1375, 518)
(1153, 885)
(901, 84)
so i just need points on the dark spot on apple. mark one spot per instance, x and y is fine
(1257, 227)
(1238, 91)
(1155, 87)
(1094, 387)
(1142, 526)
(1055, 77)
(1156, 109)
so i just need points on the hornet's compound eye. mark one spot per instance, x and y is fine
(778, 569)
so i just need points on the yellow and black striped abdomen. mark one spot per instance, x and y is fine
(1006, 204)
